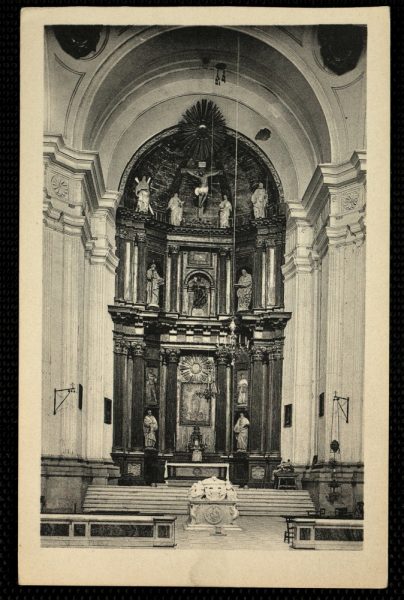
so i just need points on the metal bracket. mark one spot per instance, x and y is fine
(343, 405)
(55, 392)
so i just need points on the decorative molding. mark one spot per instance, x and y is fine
(85, 167)
(60, 186)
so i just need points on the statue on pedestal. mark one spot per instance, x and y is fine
(176, 207)
(142, 191)
(225, 209)
(150, 427)
(241, 431)
(259, 201)
(244, 291)
(154, 281)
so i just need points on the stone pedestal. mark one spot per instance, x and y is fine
(150, 466)
(210, 514)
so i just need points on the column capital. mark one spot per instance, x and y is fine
(141, 238)
(223, 356)
(137, 348)
(173, 248)
(224, 251)
(171, 355)
(121, 345)
(259, 353)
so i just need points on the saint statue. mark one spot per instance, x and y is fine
(244, 290)
(225, 209)
(203, 189)
(151, 394)
(259, 201)
(150, 427)
(154, 281)
(197, 293)
(142, 191)
(241, 431)
(175, 206)
(242, 391)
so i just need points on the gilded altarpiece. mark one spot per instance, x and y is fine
(196, 400)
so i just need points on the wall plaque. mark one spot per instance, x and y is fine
(200, 259)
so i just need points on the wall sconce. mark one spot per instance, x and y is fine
(69, 390)
(220, 73)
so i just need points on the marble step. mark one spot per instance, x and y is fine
(150, 500)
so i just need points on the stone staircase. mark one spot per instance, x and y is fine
(174, 501)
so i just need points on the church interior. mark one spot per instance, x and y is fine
(203, 266)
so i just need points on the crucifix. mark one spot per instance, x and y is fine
(203, 189)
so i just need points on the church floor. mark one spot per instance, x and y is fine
(258, 533)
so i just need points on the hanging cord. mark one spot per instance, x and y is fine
(235, 181)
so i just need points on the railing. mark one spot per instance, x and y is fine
(107, 530)
(327, 534)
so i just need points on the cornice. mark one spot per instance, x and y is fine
(329, 178)
(86, 166)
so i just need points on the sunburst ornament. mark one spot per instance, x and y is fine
(196, 369)
(202, 130)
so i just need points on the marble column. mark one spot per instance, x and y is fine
(120, 252)
(278, 283)
(222, 279)
(257, 276)
(141, 268)
(167, 287)
(173, 356)
(174, 251)
(138, 348)
(120, 392)
(134, 268)
(258, 356)
(222, 358)
(275, 407)
(162, 396)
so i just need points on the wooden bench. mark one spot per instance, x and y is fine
(59, 530)
(327, 534)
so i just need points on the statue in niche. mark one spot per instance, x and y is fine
(225, 209)
(154, 281)
(259, 201)
(244, 291)
(142, 191)
(150, 427)
(176, 207)
(241, 431)
(151, 392)
(242, 391)
(197, 293)
(203, 189)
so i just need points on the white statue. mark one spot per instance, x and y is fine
(142, 191)
(259, 201)
(154, 281)
(225, 209)
(244, 290)
(151, 393)
(203, 189)
(150, 427)
(241, 431)
(176, 207)
(242, 391)
(197, 490)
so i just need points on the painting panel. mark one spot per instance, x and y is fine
(195, 408)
